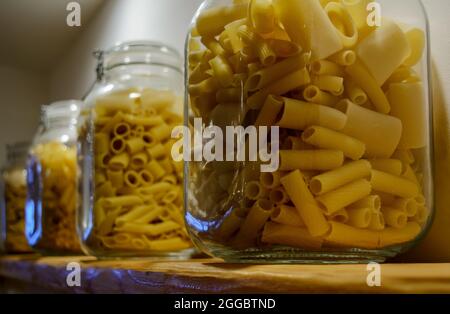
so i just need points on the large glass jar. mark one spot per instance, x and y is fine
(345, 173)
(14, 192)
(132, 188)
(52, 176)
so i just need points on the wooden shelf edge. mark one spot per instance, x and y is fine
(212, 276)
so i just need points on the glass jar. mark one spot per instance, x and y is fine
(13, 205)
(132, 188)
(2, 217)
(332, 163)
(52, 176)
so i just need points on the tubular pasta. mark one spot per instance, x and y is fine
(372, 202)
(329, 83)
(391, 236)
(355, 93)
(343, 235)
(344, 196)
(363, 79)
(313, 94)
(340, 16)
(304, 202)
(269, 112)
(274, 233)
(380, 133)
(254, 222)
(213, 21)
(332, 180)
(318, 34)
(408, 104)
(299, 115)
(280, 87)
(287, 215)
(262, 16)
(387, 43)
(416, 39)
(359, 217)
(392, 166)
(231, 223)
(377, 222)
(340, 216)
(388, 183)
(329, 139)
(266, 76)
(344, 57)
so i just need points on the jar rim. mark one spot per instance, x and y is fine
(139, 52)
(61, 110)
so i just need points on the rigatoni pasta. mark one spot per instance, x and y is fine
(341, 93)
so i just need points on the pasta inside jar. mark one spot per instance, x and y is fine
(350, 99)
(15, 196)
(138, 197)
(57, 166)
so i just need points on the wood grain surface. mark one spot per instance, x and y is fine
(213, 276)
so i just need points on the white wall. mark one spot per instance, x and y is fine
(22, 92)
(119, 20)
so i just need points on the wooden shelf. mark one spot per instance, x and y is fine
(212, 276)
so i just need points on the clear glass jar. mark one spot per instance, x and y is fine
(52, 180)
(2, 217)
(132, 188)
(344, 91)
(13, 206)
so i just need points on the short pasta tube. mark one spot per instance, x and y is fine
(329, 139)
(335, 200)
(348, 173)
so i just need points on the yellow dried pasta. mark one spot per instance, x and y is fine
(346, 100)
(137, 207)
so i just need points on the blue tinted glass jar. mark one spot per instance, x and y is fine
(52, 178)
(14, 191)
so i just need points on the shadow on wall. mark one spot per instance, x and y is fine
(435, 247)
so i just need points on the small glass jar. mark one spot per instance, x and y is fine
(2, 217)
(343, 89)
(132, 188)
(14, 193)
(52, 176)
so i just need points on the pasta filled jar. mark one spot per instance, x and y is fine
(52, 178)
(314, 120)
(14, 192)
(132, 188)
